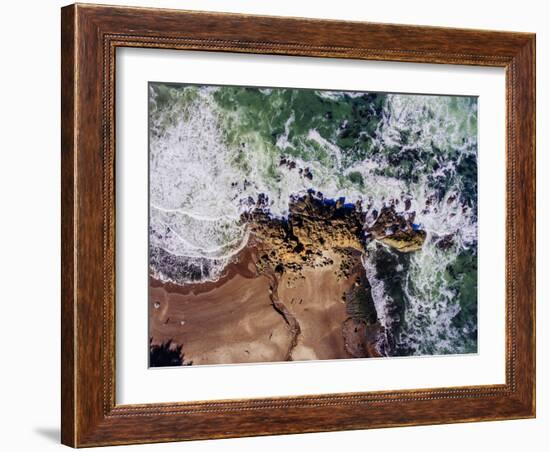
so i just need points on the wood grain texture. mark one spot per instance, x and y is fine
(90, 36)
(67, 225)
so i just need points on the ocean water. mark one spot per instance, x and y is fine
(214, 151)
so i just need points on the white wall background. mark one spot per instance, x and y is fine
(29, 226)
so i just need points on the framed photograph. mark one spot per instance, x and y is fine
(281, 225)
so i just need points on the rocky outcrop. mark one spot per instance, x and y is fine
(446, 242)
(332, 236)
(314, 225)
(397, 231)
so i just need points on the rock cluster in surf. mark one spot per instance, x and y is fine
(398, 231)
(316, 224)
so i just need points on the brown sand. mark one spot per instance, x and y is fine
(230, 321)
(315, 301)
(245, 317)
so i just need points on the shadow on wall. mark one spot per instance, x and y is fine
(50, 433)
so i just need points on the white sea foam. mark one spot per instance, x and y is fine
(282, 141)
(193, 212)
(333, 150)
(431, 306)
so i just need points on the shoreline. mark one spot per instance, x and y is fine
(296, 291)
(248, 317)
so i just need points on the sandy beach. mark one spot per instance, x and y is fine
(297, 291)
(247, 317)
(229, 321)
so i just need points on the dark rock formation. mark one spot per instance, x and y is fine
(397, 231)
(445, 242)
(314, 225)
(166, 355)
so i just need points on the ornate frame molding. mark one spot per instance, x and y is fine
(90, 37)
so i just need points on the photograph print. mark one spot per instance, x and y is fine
(299, 224)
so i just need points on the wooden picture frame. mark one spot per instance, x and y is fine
(90, 35)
